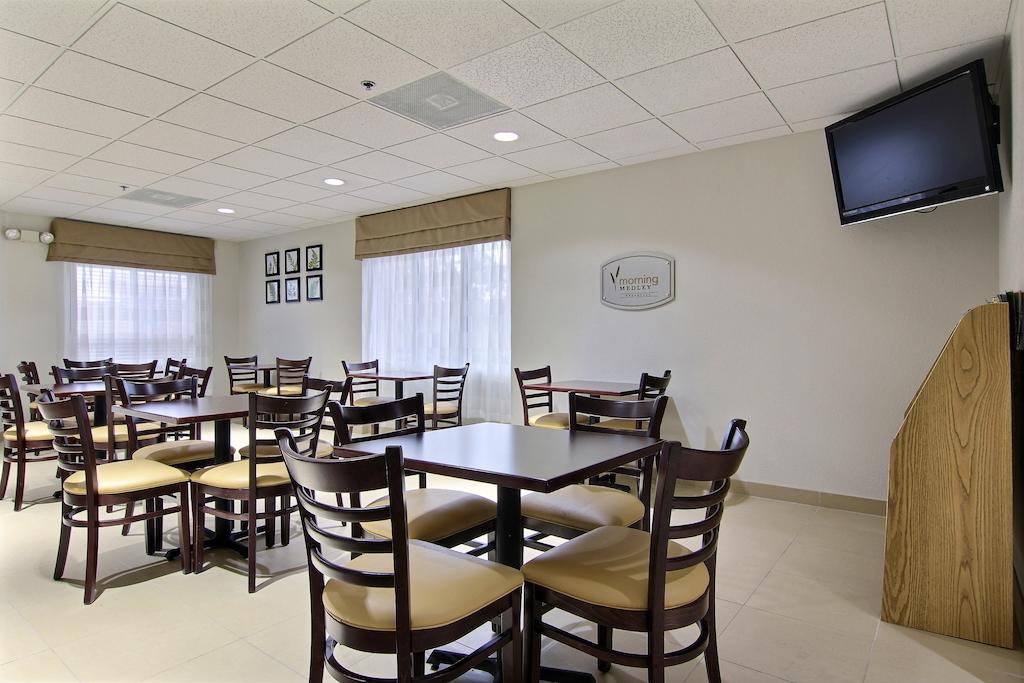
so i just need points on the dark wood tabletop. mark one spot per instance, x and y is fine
(590, 387)
(190, 410)
(394, 376)
(514, 456)
(65, 390)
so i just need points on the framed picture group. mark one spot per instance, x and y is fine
(294, 264)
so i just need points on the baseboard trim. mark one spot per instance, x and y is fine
(836, 501)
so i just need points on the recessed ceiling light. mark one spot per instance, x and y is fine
(225, 210)
(334, 181)
(506, 136)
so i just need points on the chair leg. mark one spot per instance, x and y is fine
(92, 552)
(423, 480)
(532, 635)
(317, 629)
(251, 511)
(512, 654)
(158, 526)
(129, 510)
(62, 544)
(198, 527)
(711, 652)
(184, 531)
(604, 640)
(6, 473)
(150, 528)
(270, 525)
(286, 520)
(419, 663)
(656, 656)
(19, 478)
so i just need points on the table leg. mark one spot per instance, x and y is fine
(99, 411)
(266, 377)
(399, 393)
(222, 454)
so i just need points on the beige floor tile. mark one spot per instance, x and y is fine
(812, 560)
(745, 557)
(845, 531)
(732, 673)
(238, 662)
(903, 655)
(288, 643)
(41, 667)
(17, 637)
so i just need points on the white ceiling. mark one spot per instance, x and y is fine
(251, 104)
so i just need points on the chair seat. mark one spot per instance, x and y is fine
(617, 423)
(177, 452)
(36, 430)
(271, 450)
(292, 390)
(101, 435)
(584, 507)
(608, 567)
(445, 408)
(444, 586)
(235, 475)
(126, 476)
(550, 420)
(371, 400)
(244, 387)
(435, 514)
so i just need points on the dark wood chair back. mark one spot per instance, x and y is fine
(648, 414)
(408, 410)
(132, 393)
(339, 391)
(534, 398)
(12, 413)
(172, 366)
(88, 363)
(71, 430)
(292, 373)
(89, 374)
(449, 386)
(366, 387)
(138, 372)
(29, 372)
(652, 386)
(241, 370)
(301, 415)
(202, 376)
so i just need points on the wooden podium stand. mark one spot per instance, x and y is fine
(949, 534)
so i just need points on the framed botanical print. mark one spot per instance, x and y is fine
(315, 257)
(272, 264)
(292, 286)
(314, 288)
(273, 291)
(291, 261)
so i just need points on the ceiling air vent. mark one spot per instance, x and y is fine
(439, 101)
(150, 196)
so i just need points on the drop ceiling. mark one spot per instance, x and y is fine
(250, 105)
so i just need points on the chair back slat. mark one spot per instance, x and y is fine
(449, 386)
(173, 366)
(367, 387)
(347, 418)
(202, 376)
(652, 386)
(71, 429)
(301, 415)
(544, 400)
(241, 370)
(94, 373)
(88, 363)
(135, 371)
(339, 389)
(134, 393)
(648, 414)
(292, 373)
(11, 410)
(29, 372)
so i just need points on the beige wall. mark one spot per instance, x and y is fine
(1011, 202)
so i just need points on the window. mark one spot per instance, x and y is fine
(136, 315)
(446, 307)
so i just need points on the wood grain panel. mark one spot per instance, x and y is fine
(948, 541)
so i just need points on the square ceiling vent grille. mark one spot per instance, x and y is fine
(439, 101)
(149, 196)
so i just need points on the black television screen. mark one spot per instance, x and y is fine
(931, 145)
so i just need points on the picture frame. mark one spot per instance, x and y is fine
(273, 291)
(315, 257)
(292, 289)
(291, 261)
(272, 264)
(314, 288)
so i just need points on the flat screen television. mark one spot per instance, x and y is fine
(931, 145)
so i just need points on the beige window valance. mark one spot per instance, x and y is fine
(456, 222)
(111, 245)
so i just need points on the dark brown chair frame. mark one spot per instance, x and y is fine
(291, 373)
(241, 371)
(20, 452)
(92, 373)
(30, 375)
(172, 366)
(203, 376)
(547, 398)
(79, 364)
(137, 372)
(448, 390)
(339, 390)
(675, 463)
(362, 386)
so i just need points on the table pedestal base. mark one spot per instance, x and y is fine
(490, 666)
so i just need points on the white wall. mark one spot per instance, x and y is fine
(1011, 202)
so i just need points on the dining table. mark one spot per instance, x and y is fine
(399, 377)
(96, 390)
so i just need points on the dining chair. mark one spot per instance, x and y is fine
(242, 374)
(339, 391)
(68, 363)
(87, 486)
(138, 372)
(397, 596)
(24, 441)
(114, 435)
(290, 376)
(630, 579)
(540, 399)
(445, 410)
(30, 375)
(365, 392)
(651, 386)
(92, 373)
(172, 366)
(442, 516)
(202, 375)
(262, 477)
(576, 509)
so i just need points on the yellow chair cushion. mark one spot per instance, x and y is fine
(244, 387)
(293, 390)
(445, 408)
(101, 435)
(609, 567)
(621, 424)
(125, 476)
(434, 514)
(444, 586)
(235, 475)
(371, 400)
(177, 452)
(550, 420)
(34, 431)
(268, 450)
(584, 507)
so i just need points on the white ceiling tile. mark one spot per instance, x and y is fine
(137, 207)
(69, 196)
(280, 219)
(773, 132)
(920, 68)
(340, 7)
(849, 91)
(74, 113)
(66, 181)
(168, 223)
(172, 138)
(8, 89)
(639, 34)
(560, 156)
(193, 216)
(381, 166)
(436, 182)
(655, 156)
(119, 152)
(306, 143)
(527, 72)
(389, 194)
(10, 189)
(604, 166)
(191, 188)
(229, 120)
(636, 138)
(296, 192)
(313, 212)
(438, 151)
(101, 215)
(441, 32)
(55, 21)
(315, 178)
(342, 55)
(33, 156)
(732, 117)
(817, 124)
(24, 57)
(257, 27)
(350, 204)
(926, 25)
(266, 162)
(256, 200)
(241, 211)
(481, 133)
(251, 226)
(42, 207)
(23, 174)
(845, 41)
(545, 13)
(742, 19)
(27, 132)
(711, 77)
(271, 89)
(226, 175)
(372, 126)
(122, 175)
(231, 234)
(493, 170)
(138, 41)
(528, 180)
(587, 111)
(90, 79)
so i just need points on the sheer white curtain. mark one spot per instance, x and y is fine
(446, 307)
(136, 315)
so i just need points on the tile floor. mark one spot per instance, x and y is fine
(798, 600)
